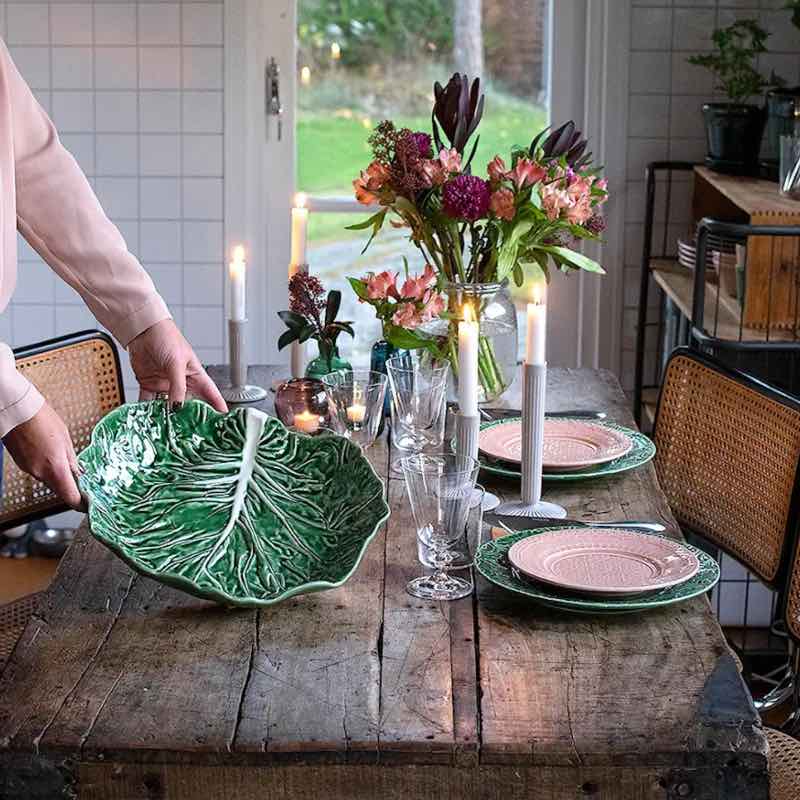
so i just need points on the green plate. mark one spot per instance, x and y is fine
(231, 507)
(642, 451)
(491, 561)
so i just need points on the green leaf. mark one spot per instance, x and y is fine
(578, 260)
(233, 507)
(536, 273)
(332, 305)
(376, 218)
(292, 320)
(306, 333)
(286, 338)
(405, 339)
(359, 287)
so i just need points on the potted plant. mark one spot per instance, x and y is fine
(734, 128)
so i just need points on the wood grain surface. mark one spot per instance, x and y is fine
(123, 688)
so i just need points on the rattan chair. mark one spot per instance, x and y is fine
(727, 457)
(81, 378)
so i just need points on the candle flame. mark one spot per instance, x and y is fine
(336, 51)
(538, 292)
(469, 313)
(305, 76)
(238, 254)
(300, 200)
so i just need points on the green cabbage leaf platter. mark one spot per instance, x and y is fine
(230, 507)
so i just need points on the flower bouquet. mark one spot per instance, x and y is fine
(312, 315)
(514, 223)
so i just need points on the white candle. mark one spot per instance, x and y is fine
(236, 272)
(299, 228)
(537, 326)
(306, 421)
(468, 363)
(356, 413)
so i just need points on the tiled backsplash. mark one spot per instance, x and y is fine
(136, 92)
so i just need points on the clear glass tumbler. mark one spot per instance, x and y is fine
(440, 489)
(418, 401)
(355, 404)
(790, 167)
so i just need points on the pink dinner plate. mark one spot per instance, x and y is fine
(603, 561)
(568, 443)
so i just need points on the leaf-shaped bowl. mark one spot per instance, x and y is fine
(231, 507)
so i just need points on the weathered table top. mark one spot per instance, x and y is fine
(123, 688)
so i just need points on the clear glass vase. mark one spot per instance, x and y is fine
(497, 319)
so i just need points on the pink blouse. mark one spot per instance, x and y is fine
(45, 195)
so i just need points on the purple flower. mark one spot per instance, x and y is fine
(466, 197)
(423, 142)
(596, 224)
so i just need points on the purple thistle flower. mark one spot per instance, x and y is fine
(466, 197)
(423, 142)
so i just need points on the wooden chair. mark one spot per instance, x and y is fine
(81, 378)
(727, 457)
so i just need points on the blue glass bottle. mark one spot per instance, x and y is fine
(381, 351)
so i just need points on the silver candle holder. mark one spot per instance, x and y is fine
(466, 446)
(240, 391)
(533, 399)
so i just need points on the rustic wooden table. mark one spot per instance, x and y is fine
(123, 688)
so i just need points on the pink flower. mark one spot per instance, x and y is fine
(450, 160)
(554, 200)
(502, 203)
(526, 173)
(496, 169)
(580, 211)
(602, 184)
(370, 182)
(434, 172)
(416, 288)
(381, 286)
(406, 316)
(434, 305)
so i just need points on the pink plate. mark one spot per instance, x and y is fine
(568, 443)
(604, 561)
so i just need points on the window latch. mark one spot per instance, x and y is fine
(272, 75)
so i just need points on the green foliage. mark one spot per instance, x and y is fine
(733, 63)
(794, 7)
(364, 28)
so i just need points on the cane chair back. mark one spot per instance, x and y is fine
(727, 454)
(80, 377)
(14, 617)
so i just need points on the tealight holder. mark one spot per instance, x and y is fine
(239, 391)
(301, 404)
(531, 503)
(355, 404)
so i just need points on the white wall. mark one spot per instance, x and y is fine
(136, 90)
(664, 117)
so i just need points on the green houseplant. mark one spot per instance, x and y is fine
(734, 127)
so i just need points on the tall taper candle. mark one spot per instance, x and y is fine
(236, 272)
(535, 343)
(468, 363)
(299, 230)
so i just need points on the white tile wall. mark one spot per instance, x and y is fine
(665, 121)
(135, 89)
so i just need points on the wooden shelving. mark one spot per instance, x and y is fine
(722, 317)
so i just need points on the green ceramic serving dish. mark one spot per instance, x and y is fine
(642, 451)
(230, 507)
(491, 560)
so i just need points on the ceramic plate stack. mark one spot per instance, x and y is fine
(573, 448)
(597, 570)
(687, 249)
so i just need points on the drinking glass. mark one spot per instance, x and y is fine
(790, 166)
(440, 490)
(418, 394)
(355, 404)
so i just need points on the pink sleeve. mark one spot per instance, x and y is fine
(59, 215)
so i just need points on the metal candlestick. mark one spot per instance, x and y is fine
(467, 429)
(239, 391)
(531, 503)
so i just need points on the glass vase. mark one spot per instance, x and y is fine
(319, 367)
(498, 342)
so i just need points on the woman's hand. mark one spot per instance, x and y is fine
(163, 361)
(42, 447)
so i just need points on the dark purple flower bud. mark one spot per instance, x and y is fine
(457, 110)
(596, 224)
(466, 197)
(423, 141)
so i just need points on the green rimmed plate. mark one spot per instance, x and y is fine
(642, 451)
(491, 560)
(230, 507)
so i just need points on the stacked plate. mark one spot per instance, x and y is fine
(573, 448)
(687, 249)
(597, 570)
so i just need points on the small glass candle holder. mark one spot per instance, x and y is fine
(355, 404)
(301, 404)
